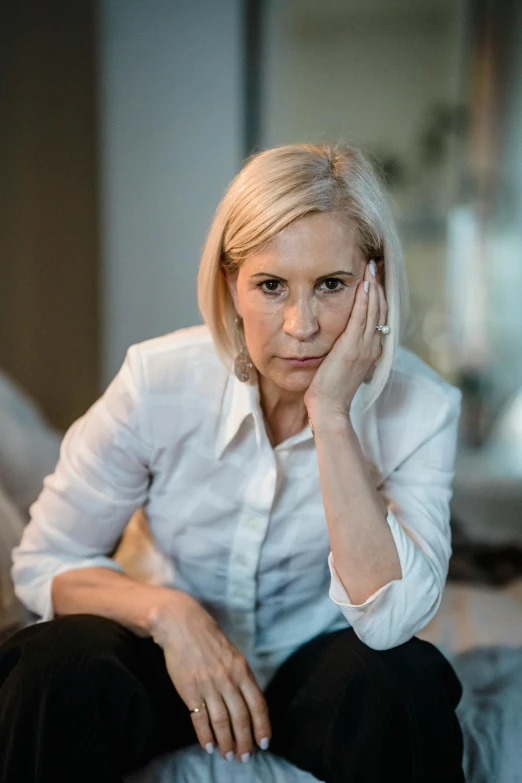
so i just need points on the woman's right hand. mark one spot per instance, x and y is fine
(205, 667)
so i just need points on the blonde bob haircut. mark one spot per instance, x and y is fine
(277, 187)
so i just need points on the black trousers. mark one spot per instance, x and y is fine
(82, 699)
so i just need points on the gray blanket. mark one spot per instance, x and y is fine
(490, 713)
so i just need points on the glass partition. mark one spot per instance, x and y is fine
(430, 91)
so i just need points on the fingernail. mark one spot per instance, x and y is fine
(245, 757)
(230, 755)
(264, 743)
(209, 747)
(373, 268)
(366, 286)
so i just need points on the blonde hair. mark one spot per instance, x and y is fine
(272, 190)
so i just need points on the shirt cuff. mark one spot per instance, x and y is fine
(340, 597)
(38, 598)
(339, 594)
(399, 609)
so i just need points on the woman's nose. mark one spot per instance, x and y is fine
(300, 320)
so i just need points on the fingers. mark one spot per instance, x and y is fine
(240, 719)
(372, 315)
(377, 279)
(376, 300)
(236, 715)
(225, 722)
(248, 711)
(259, 712)
(357, 320)
(212, 722)
(383, 306)
(201, 723)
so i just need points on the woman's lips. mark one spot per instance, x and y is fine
(309, 361)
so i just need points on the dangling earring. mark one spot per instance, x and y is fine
(243, 363)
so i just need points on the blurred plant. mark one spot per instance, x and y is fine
(392, 169)
(442, 122)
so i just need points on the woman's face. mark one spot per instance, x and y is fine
(295, 297)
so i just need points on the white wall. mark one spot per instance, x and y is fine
(171, 140)
(369, 73)
(366, 73)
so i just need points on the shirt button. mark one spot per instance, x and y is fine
(255, 523)
(241, 560)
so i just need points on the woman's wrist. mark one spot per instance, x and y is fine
(328, 418)
(165, 610)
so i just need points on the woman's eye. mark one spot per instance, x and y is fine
(271, 286)
(332, 284)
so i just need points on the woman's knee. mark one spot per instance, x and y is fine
(340, 706)
(78, 676)
(57, 652)
(404, 700)
(429, 669)
(414, 669)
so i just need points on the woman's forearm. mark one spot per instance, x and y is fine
(110, 594)
(362, 544)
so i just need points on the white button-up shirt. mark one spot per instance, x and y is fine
(243, 523)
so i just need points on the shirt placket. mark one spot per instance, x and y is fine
(246, 549)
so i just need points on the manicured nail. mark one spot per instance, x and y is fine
(245, 757)
(373, 268)
(209, 747)
(230, 755)
(366, 286)
(264, 743)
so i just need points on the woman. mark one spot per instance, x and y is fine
(302, 499)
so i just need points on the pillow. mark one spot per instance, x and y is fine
(12, 613)
(29, 447)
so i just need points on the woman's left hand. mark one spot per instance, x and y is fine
(354, 353)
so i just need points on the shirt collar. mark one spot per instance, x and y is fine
(241, 400)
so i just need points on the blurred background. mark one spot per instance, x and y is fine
(122, 122)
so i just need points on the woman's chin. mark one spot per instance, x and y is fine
(297, 380)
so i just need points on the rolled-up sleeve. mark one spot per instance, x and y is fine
(418, 495)
(101, 478)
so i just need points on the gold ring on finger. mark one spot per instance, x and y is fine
(202, 706)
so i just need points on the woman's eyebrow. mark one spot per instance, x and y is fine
(323, 277)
